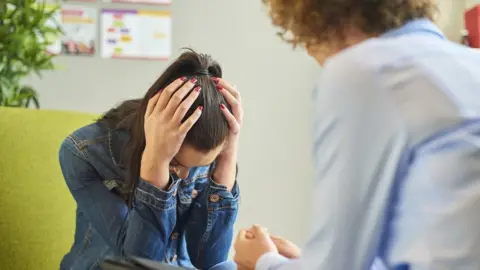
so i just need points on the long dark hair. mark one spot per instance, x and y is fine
(209, 131)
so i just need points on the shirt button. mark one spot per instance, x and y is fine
(175, 236)
(214, 198)
(194, 194)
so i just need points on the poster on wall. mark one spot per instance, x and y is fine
(152, 2)
(80, 30)
(136, 34)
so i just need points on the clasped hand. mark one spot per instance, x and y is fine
(251, 244)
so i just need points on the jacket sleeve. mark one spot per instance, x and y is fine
(210, 226)
(142, 231)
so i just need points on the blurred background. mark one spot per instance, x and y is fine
(275, 82)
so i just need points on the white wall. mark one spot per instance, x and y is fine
(451, 17)
(471, 3)
(275, 82)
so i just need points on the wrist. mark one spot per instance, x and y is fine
(225, 161)
(230, 149)
(155, 171)
(225, 172)
(228, 156)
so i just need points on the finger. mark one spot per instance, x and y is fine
(274, 237)
(241, 235)
(286, 248)
(229, 97)
(151, 104)
(186, 105)
(232, 121)
(231, 89)
(178, 97)
(249, 235)
(234, 103)
(277, 243)
(167, 93)
(188, 124)
(260, 232)
(240, 244)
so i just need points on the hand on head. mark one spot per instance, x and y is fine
(232, 96)
(167, 123)
(164, 130)
(226, 162)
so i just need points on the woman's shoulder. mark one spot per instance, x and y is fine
(91, 133)
(96, 144)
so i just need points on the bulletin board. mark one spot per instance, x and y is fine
(138, 34)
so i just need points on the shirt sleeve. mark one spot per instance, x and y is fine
(358, 144)
(271, 260)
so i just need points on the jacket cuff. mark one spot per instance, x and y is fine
(155, 197)
(220, 198)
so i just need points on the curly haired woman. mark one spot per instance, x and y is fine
(396, 141)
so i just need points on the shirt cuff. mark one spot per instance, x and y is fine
(270, 261)
(155, 197)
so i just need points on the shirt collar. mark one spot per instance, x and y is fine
(416, 26)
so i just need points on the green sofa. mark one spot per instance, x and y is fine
(37, 211)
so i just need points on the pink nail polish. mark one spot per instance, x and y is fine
(222, 106)
(184, 78)
(197, 89)
(200, 108)
(215, 79)
(219, 87)
(193, 80)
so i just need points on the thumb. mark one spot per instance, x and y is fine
(260, 232)
(249, 234)
(241, 235)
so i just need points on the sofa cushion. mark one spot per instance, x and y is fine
(38, 212)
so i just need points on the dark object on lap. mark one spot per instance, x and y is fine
(134, 263)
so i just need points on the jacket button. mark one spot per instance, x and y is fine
(175, 236)
(194, 194)
(214, 198)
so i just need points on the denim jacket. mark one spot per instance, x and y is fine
(190, 225)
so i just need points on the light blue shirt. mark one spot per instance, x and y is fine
(397, 157)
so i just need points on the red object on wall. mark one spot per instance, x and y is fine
(472, 23)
